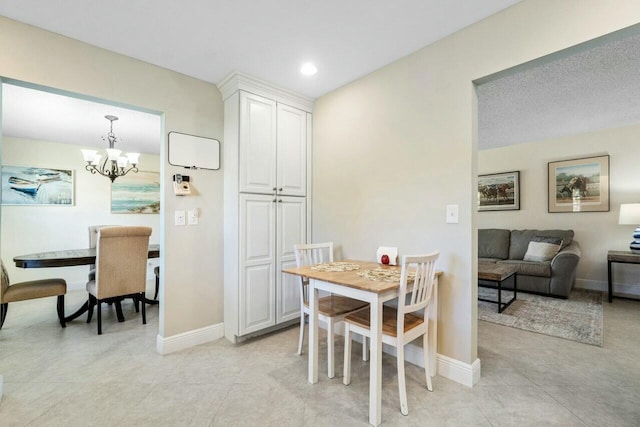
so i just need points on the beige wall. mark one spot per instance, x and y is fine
(392, 149)
(192, 256)
(597, 232)
(28, 229)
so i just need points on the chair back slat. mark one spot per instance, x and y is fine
(311, 254)
(422, 288)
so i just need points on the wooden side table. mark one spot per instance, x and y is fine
(622, 257)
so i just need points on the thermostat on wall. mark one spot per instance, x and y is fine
(181, 186)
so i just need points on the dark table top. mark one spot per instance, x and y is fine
(67, 258)
(623, 256)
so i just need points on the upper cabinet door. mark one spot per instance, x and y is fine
(292, 151)
(257, 144)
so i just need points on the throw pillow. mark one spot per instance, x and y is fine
(543, 248)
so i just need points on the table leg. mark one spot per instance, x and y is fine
(313, 332)
(375, 365)
(79, 312)
(610, 282)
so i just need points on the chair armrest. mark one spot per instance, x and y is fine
(563, 270)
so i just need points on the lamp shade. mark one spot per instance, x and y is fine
(629, 214)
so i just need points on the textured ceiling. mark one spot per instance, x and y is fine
(586, 88)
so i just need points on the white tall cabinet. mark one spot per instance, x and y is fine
(267, 169)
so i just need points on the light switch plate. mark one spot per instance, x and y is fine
(452, 214)
(192, 216)
(180, 218)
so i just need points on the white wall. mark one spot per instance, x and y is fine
(393, 148)
(597, 232)
(191, 258)
(28, 229)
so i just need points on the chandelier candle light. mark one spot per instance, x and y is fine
(630, 215)
(113, 164)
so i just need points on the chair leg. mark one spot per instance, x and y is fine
(427, 365)
(99, 308)
(402, 387)
(155, 297)
(91, 303)
(365, 349)
(3, 313)
(144, 310)
(301, 339)
(346, 375)
(136, 304)
(119, 314)
(60, 308)
(331, 363)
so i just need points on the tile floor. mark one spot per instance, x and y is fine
(72, 377)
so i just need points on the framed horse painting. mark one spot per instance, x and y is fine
(579, 185)
(499, 191)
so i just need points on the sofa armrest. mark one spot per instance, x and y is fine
(563, 270)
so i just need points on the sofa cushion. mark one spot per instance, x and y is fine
(520, 239)
(493, 243)
(489, 260)
(528, 268)
(542, 248)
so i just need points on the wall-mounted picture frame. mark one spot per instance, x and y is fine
(136, 193)
(579, 185)
(36, 186)
(499, 191)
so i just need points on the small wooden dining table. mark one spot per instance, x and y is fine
(350, 284)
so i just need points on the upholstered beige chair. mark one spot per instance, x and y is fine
(121, 268)
(93, 241)
(30, 290)
(402, 325)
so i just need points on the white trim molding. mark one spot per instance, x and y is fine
(189, 339)
(622, 289)
(460, 372)
(238, 81)
(447, 367)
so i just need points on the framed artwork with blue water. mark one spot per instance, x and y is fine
(136, 193)
(37, 186)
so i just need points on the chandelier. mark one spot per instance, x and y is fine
(113, 165)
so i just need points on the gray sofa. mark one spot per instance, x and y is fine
(554, 278)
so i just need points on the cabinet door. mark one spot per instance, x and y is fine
(257, 298)
(292, 151)
(291, 229)
(258, 149)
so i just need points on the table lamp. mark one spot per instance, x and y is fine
(630, 214)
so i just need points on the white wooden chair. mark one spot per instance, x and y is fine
(331, 309)
(402, 325)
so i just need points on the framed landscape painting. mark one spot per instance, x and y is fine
(499, 191)
(136, 193)
(34, 186)
(579, 185)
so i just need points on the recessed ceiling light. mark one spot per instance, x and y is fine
(308, 69)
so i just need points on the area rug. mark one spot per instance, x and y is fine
(578, 318)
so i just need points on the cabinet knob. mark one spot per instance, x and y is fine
(274, 188)
(280, 189)
(274, 200)
(280, 201)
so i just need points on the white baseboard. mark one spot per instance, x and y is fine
(446, 367)
(189, 339)
(618, 288)
(460, 372)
